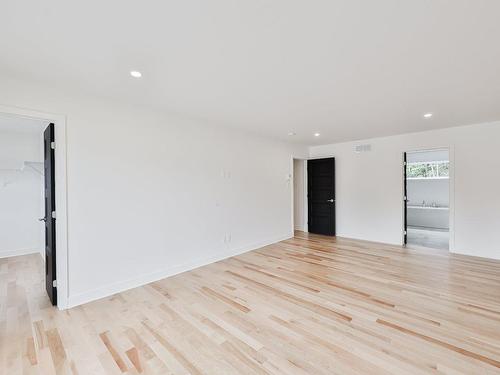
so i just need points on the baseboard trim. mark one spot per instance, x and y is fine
(109, 290)
(450, 251)
(357, 238)
(18, 252)
(474, 255)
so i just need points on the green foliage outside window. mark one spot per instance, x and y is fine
(428, 170)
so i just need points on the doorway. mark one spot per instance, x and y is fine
(27, 192)
(50, 165)
(21, 186)
(299, 195)
(427, 198)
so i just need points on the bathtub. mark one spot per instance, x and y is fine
(428, 217)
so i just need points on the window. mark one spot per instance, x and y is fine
(433, 169)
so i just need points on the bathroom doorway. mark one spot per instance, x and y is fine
(427, 198)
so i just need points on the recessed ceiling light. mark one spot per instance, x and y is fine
(291, 134)
(428, 115)
(317, 134)
(136, 74)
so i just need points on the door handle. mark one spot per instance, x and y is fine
(331, 200)
(43, 219)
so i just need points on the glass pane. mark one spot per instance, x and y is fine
(431, 169)
(416, 170)
(444, 169)
(428, 170)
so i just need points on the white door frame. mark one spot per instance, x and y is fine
(292, 176)
(451, 187)
(61, 194)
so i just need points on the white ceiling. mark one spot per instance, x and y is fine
(348, 69)
(15, 124)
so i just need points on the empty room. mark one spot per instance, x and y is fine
(249, 187)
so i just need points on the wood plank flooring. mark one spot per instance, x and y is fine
(308, 305)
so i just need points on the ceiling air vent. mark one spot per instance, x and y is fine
(362, 148)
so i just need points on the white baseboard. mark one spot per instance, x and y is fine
(349, 236)
(451, 250)
(18, 252)
(108, 290)
(476, 255)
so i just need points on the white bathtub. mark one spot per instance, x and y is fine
(429, 217)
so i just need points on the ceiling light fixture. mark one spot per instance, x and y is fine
(136, 74)
(291, 134)
(317, 134)
(428, 115)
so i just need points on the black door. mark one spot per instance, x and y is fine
(50, 209)
(321, 196)
(405, 201)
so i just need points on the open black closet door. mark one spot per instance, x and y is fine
(50, 213)
(405, 201)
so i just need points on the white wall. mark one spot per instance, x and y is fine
(422, 156)
(369, 186)
(151, 194)
(21, 201)
(299, 186)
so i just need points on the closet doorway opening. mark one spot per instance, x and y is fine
(299, 214)
(33, 159)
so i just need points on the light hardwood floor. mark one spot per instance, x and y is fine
(308, 305)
